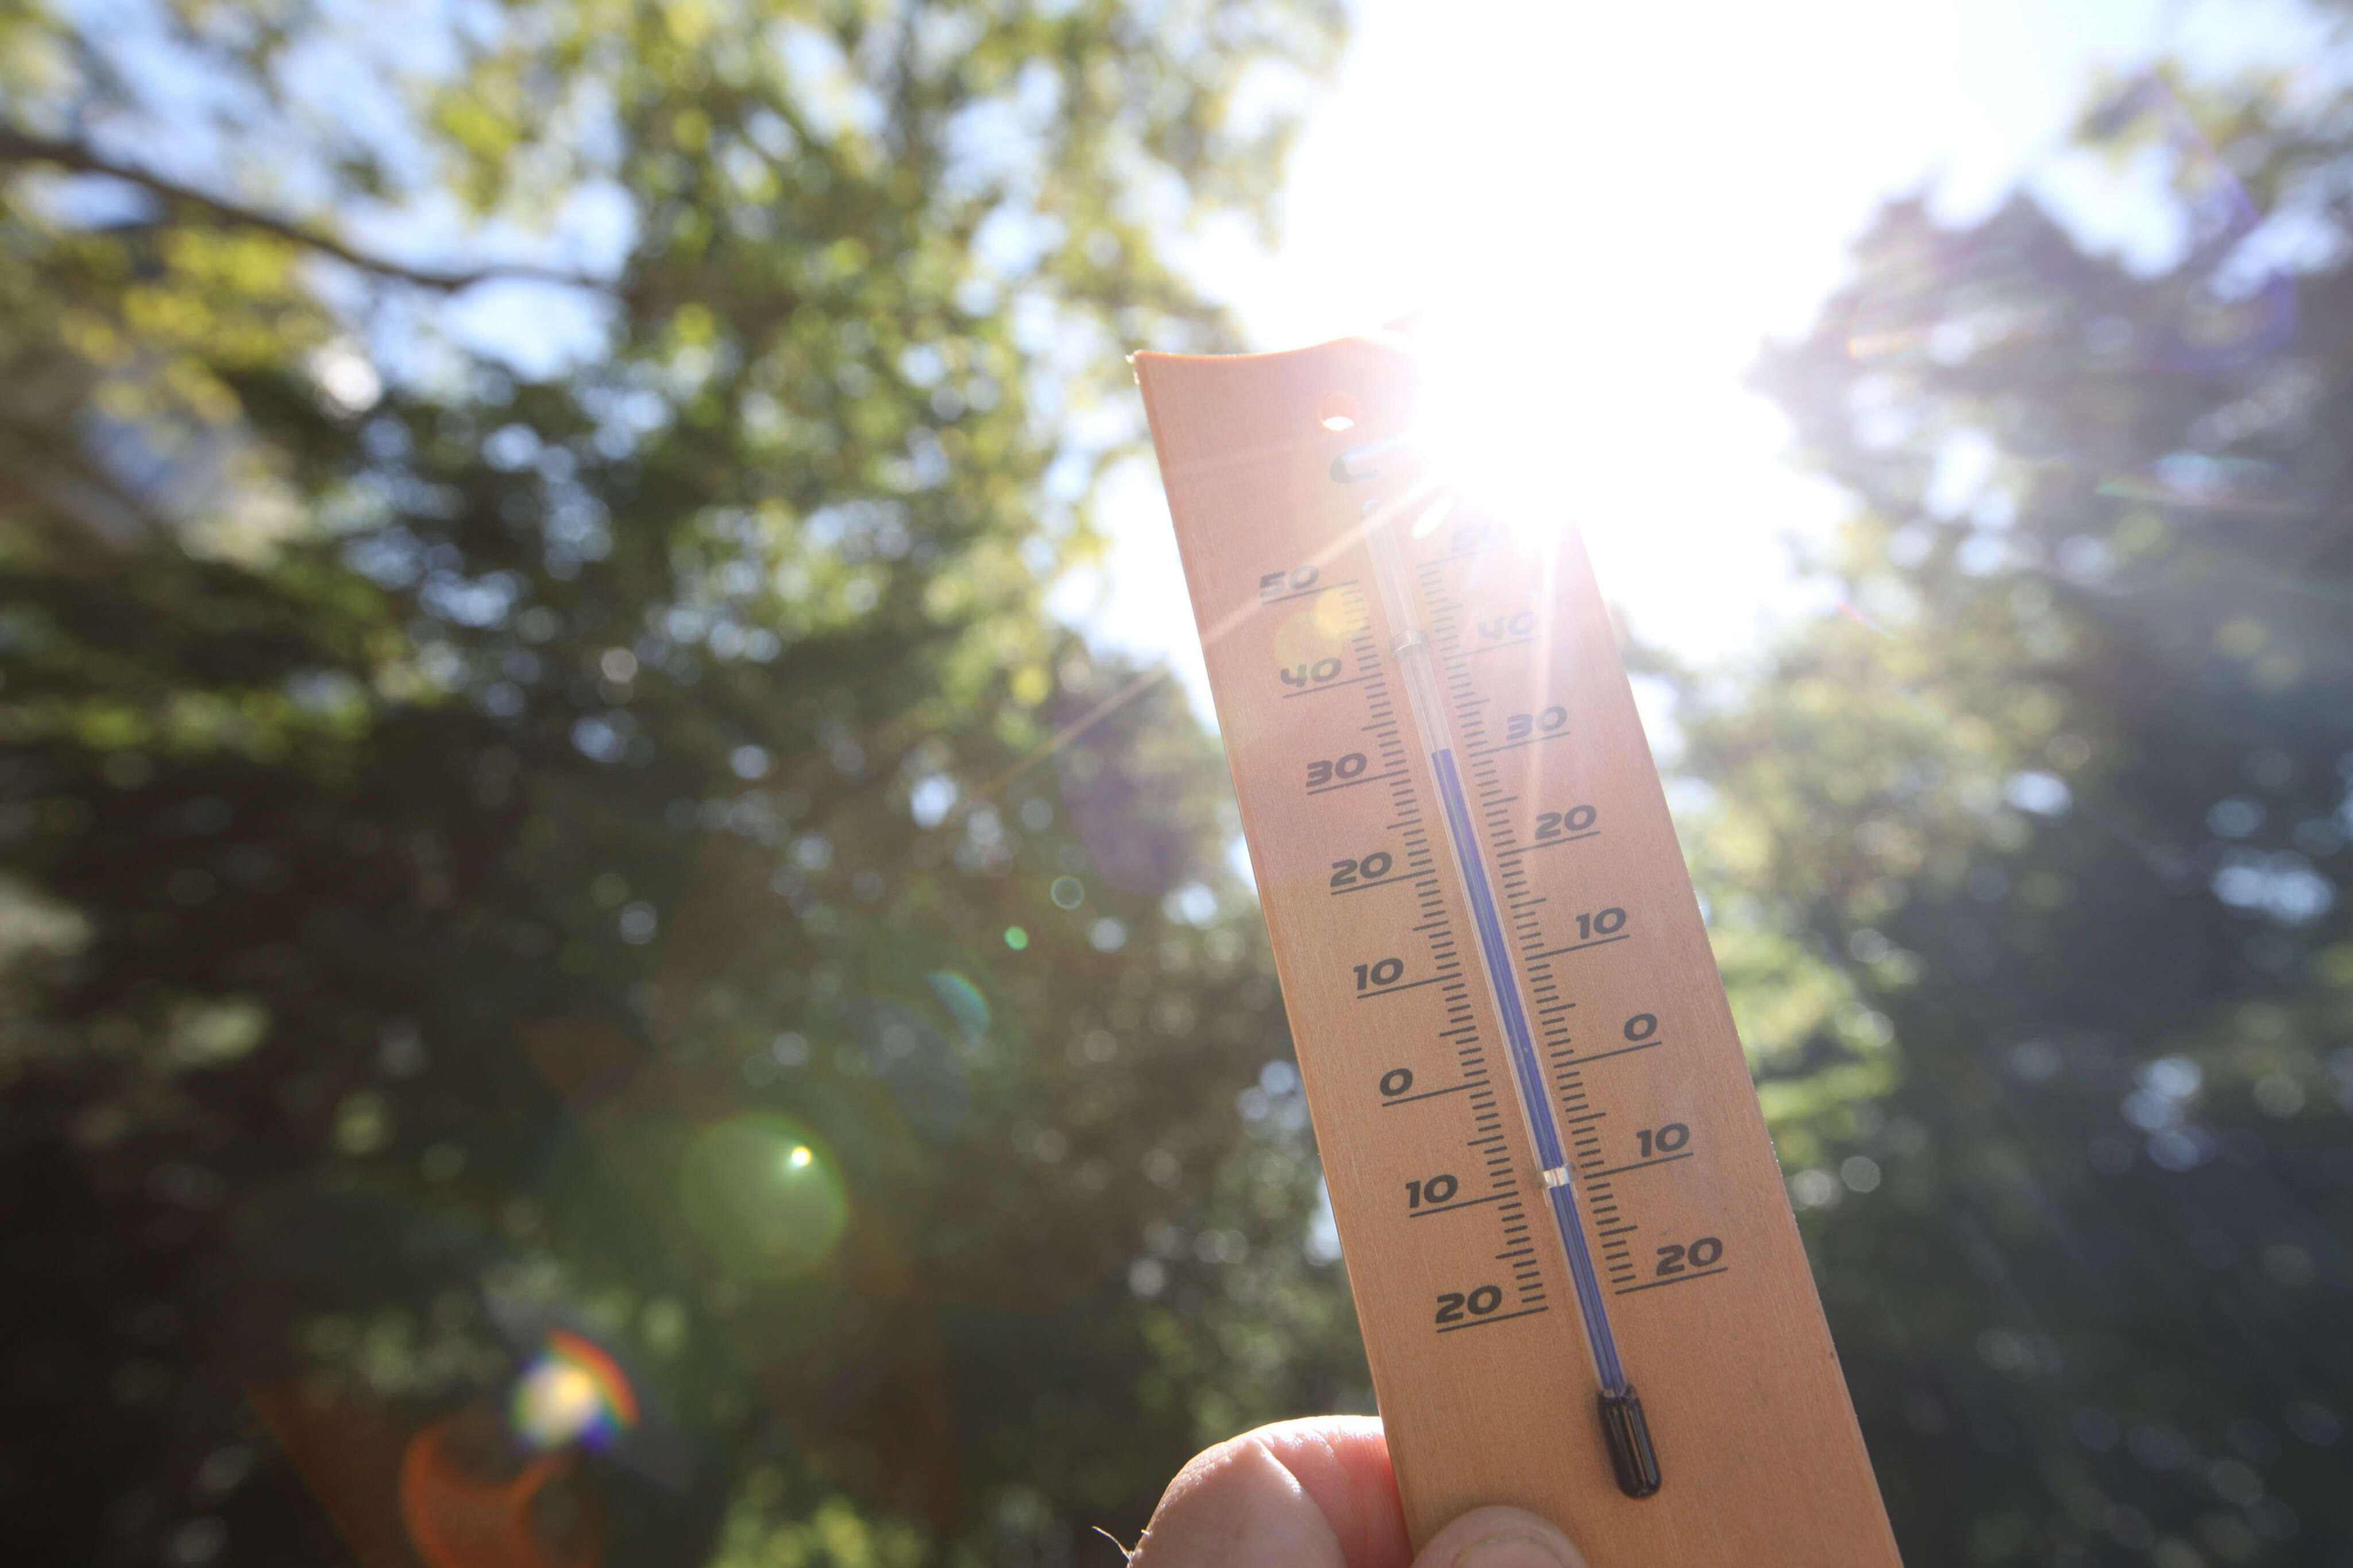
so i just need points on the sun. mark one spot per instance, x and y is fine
(1499, 422)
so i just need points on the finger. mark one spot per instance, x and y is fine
(1299, 1494)
(1342, 1462)
(1499, 1538)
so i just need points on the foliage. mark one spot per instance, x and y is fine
(2060, 799)
(512, 847)
(471, 820)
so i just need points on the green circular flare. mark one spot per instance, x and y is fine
(1015, 938)
(1067, 893)
(764, 1195)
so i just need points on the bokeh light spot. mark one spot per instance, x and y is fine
(572, 1392)
(763, 1196)
(555, 1402)
(1305, 639)
(1015, 938)
(1332, 617)
(1067, 893)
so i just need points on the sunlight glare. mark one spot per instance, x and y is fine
(1503, 417)
(1433, 517)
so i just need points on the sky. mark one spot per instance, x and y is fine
(1608, 208)
(1605, 209)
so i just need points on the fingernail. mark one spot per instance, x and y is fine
(1510, 1551)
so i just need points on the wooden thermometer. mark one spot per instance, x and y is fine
(1578, 1280)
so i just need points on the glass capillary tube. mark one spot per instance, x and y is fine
(1411, 645)
(1624, 1427)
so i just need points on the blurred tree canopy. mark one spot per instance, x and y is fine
(586, 977)
(533, 909)
(2029, 863)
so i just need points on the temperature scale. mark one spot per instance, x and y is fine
(1578, 1280)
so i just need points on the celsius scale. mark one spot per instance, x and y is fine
(1579, 1284)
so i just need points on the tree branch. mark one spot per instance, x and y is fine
(17, 147)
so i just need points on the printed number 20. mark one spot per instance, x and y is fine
(1478, 1304)
(1700, 1254)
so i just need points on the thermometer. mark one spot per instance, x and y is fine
(1579, 1284)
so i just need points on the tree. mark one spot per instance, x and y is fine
(2051, 822)
(586, 902)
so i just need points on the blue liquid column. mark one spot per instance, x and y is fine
(1632, 1455)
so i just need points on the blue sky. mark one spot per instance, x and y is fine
(1619, 204)
(1608, 207)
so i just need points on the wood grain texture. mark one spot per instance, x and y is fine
(1469, 1318)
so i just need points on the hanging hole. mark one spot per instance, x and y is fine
(1336, 412)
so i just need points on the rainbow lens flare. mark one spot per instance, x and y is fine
(573, 1392)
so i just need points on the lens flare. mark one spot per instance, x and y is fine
(1503, 424)
(1504, 430)
(963, 1000)
(573, 1392)
(764, 1195)
(466, 1504)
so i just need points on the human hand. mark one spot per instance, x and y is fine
(1319, 1493)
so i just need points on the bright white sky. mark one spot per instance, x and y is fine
(1622, 201)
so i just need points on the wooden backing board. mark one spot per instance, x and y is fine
(1462, 1287)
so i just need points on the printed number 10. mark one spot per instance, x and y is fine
(1609, 923)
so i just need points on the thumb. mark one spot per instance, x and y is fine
(1499, 1538)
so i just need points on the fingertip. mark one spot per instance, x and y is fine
(1500, 1538)
(1343, 1463)
(1317, 1493)
(1236, 1505)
